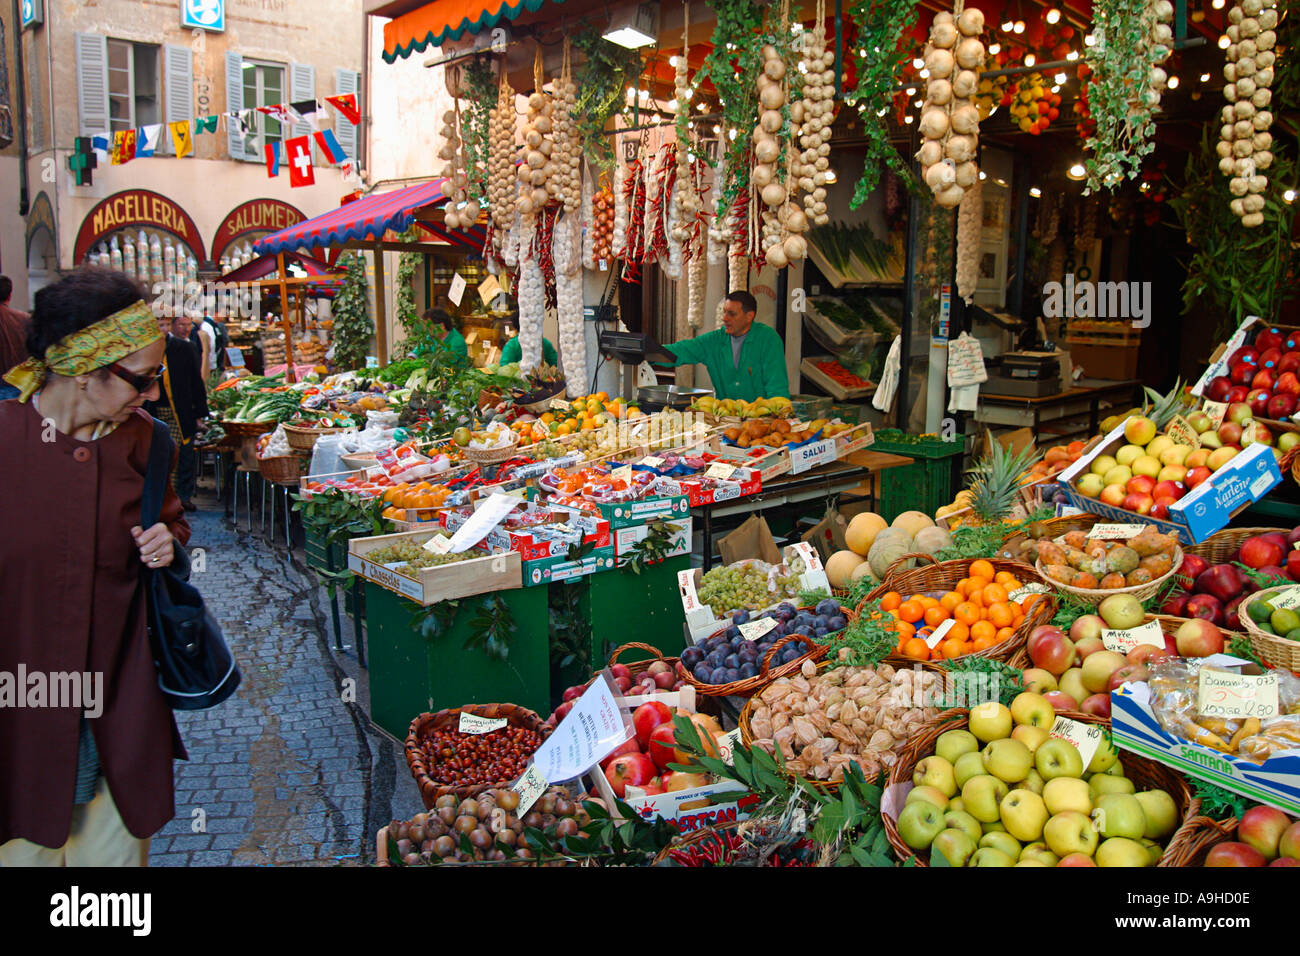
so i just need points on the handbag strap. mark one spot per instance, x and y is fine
(155, 476)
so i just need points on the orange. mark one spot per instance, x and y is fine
(1011, 585)
(950, 600)
(1003, 634)
(953, 648)
(918, 598)
(959, 631)
(890, 601)
(982, 629)
(982, 569)
(916, 649)
(978, 583)
(966, 613)
(911, 611)
(994, 594)
(928, 602)
(906, 630)
(1000, 614)
(983, 644)
(934, 616)
(1005, 578)
(1029, 601)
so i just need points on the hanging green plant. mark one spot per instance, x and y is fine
(879, 55)
(608, 71)
(731, 66)
(350, 311)
(480, 95)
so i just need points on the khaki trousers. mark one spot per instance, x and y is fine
(98, 838)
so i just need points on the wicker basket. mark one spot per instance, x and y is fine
(281, 469)
(1195, 838)
(1168, 624)
(1094, 596)
(247, 429)
(430, 788)
(752, 685)
(1219, 547)
(492, 456)
(1145, 774)
(1272, 649)
(543, 404)
(304, 439)
(945, 575)
(1055, 527)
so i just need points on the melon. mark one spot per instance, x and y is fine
(840, 567)
(886, 550)
(862, 531)
(912, 522)
(931, 540)
(863, 570)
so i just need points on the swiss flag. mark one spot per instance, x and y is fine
(299, 160)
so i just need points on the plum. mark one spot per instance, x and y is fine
(826, 607)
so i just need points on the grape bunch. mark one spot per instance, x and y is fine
(737, 587)
(415, 557)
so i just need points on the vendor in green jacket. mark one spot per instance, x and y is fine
(745, 359)
(450, 338)
(512, 351)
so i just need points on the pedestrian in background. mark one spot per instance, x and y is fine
(13, 336)
(182, 405)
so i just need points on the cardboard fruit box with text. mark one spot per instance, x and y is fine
(800, 558)
(625, 539)
(741, 482)
(623, 514)
(500, 571)
(539, 542)
(1246, 477)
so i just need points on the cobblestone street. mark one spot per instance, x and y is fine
(286, 771)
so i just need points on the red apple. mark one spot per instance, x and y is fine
(1097, 704)
(1041, 631)
(1198, 638)
(1289, 845)
(1148, 654)
(1278, 538)
(1196, 476)
(624, 684)
(1258, 400)
(1193, 564)
(1263, 434)
(1086, 626)
(1242, 374)
(1268, 339)
(1140, 485)
(572, 693)
(1230, 433)
(1243, 356)
(1141, 504)
(1289, 362)
(1282, 404)
(1237, 393)
(1262, 828)
(1285, 861)
(1175, 604)
(1168, 489)
(620, 670)
(1129, 673)
(1263, 380)
(629, 770)
(1258, 552)
(1087, 646)
(1293, 565)
(1161, 508)
(1234, 854)
(1053, 653)
(1288, 383)
(1231, 620)
(1076, 859)
(1239, 413)
(1112, 495)
(1269, 358)
(1217, 389)
(1205, 607)
(1224, 581)
(562, 711)
(1061, 701)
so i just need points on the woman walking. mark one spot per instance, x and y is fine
(82, 782)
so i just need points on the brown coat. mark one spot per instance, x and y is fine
(69, 601)
(13, 338)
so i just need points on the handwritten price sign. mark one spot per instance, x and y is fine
(1085, 737)
(1220, 694)
(473, 724)
(1115, 530)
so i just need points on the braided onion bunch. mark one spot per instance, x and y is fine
(1245, 144)
(950, 117)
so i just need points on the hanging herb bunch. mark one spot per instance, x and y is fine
(1132, 40)
(479, 88)
(608, 71)
(731, 66)
(879, 57)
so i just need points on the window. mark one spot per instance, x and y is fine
(263, 86)
(133, 90)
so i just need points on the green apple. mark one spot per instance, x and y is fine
(1105, 759)
(1154, 848)
(1119, 815)
(1071, 682)
(990, 721)
(981, 795)
(1067, 793)
(1031, 863)
(957, 805)
(919, 824)
(993, 826)
(1102, 464)
(955, 846)
(929, 795)
(935, 772)
(1161, 814)
(1039, 851)
(1008, 760)
(1119, 475)
(1070, 832)
(1115, 769)
(1128, 454)
(1031, 737)
(1002, 841)
(1090, 485)
(1058, 758)
(1098, 667)
(1121, 851)
(960, 820)
(1033, 781)
(1100, 783)
(991, 856)
(1033, 710)
(1038, 680)
(968, 765)
(1024, 814)
(953, 743)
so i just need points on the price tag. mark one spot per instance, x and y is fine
(489, 289)
(1221, 694)
(1122, 641)
(1067, 511)
(798, 426)
(940, 633)
(374, 471)
(1216, 411)
(529, 787)
(438, 544)
(1085, 737)
(604, 265)
(235, 357)
(1287, 599)
(726, 744)
(622, 473)
(559, 404)
(1019, 594)
(1181, 430)
(473, 724)
(807, 457)
(1101, 530)
(651, 461)
(753, 630)
(720, 469)
(457, 290)
(488, 515)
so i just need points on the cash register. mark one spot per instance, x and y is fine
(633, 348)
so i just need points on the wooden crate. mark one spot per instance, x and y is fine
(493, 572)
(833, 388)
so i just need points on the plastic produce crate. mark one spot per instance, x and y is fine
(927, 483)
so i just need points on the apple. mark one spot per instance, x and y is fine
(1121, 851)
(981, 796)
(1234, 854)
(1097, 705)
(1175, 604)
(1196, 476)
(956, 846)
(1236, 394)
(675, 780)
(990, 856)
(1238, 413)
(1058, 758)
(1206, 607)
(1257, 399)
(1282, 404)
(1060, 701)
(1261, 551)
(1105, 760)
(1289, 844)
(1269, 339)
(1001, 840)
(1170, 487)
(1090, 485)
(919, 823)
(1288, 383)
(1199, 421)
(930, 795)
(1037, 854)
(1127, 454)
(990, 721)
(1221, 456)
(1241, 375)
(1198, 638)
(1263, 381)
(1262, 828)
(1052, 653)
(1070, 832)
(1244, 355)
(1121, 611)
(1147, 465)
(1127, 674)
(968, 765)
(1119, 475)
(1119, 815)
(1175, 455)
(1086, 626)
(634, 769)
(1032, 710)
(1032, 737)
(1067, 793)
(1159, 812)
(1089, 646)
(1198, 458)
(1076, 859)
(1147, 654)
(1216, 390)
(1112, 495)
(1269, 358)
(963, 821)
(1071, 683)
(1098, 667)
(1193, 565)
(1229, 434)
(1100, 784)
(935, 771)
(1287, 440)
(1040, 632)
(1024, 815)
(1039, 681)
(952, 744)
(1102, 464)
(1007, 759)
(1285, 861)
(1140, 485)
(1263, 436)
(1289, 362)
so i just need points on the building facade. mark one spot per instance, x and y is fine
(95, 70)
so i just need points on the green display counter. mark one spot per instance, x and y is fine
(622, 607)
(409, 676)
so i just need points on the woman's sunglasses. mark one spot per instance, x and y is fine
(141, 383)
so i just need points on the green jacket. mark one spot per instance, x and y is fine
(761, 373)
(453, 342)
(512, 351)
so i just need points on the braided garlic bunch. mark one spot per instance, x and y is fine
(970, 224)
(566, 184)
(461, 211)
(686, 196)
(1245, 146)
(814, 115)
(501, 159)
(950, 119)
(537, 172)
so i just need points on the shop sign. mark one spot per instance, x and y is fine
(257, 215)
(33, 13)
(203, 15)
(136, 207)
(41, 216)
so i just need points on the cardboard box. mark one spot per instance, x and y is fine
(493, 572)
(547, 570)
(749, 482)
(531, 546)
(1247, 477)
(1276, 781)
(1219, 358)
(626, 538)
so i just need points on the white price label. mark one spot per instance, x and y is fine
(529, 787)
(1216, 411)
(438, 544)
(622, 473)
(489, 289)
(488, 515)
(1085, 737)
(686, 584)
(559, 404)
(720, 469)
(1285, 600)
(650, 461)
(457, 290)
(753, 630)
(940, 633)
(604, 265)
(726, 744)
(1122, 641)
(1220, 694)
(1261, 484)
(1019, 594)
(807, 457)
(473, 724)
(1102, 530)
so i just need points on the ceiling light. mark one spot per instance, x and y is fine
(1008, 26)
(1030, 59)
(1205, 77)
(1173, 82)
(918, 62)
(925, 74)
(1224, 42)
(983, 175)
(1089, 40)
(831, 177)
(1056, 89)
(1060, 78)
(1072, 55)
(671, 106)
(731, 134)
(1035, 192)
(672, 61)
(911, 91)
(1053, 15)
(919, 103)
(907, 119)
(995, 49)
(1218, 4)
(1289, 195)
(634, 26)
(1020, 26)
(1077, 172)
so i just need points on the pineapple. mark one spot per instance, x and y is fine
(1164, 407)
(995, 489)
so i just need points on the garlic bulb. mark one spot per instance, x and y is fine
(949, 117)
(1244, 135)
(568, 306)
(818, 107)
(970, 214)
(531, 297)
(502, 188)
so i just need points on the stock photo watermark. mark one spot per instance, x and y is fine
(1083, 299)
(72, 690)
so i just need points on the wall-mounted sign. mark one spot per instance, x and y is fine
(203, 15)
(33, 13)
(263, 216)
(136, 207)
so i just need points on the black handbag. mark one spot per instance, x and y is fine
(195, 667)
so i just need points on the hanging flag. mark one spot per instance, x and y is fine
(272, 159)
(309, 111)
(298, 156)
(101, 145)
(182, 139)
(205, 124)
(146, 139)
(277, 112)
(347, 105)
(123, 146)
(347, 169)
(330, 146)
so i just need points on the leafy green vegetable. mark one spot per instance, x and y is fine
(1217, 803)
(988, 675)
(864, 643)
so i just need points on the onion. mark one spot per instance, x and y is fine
(771, 121)
(776, 257)
(931, 152)
(772, 98)
(761, 175)
(960, 148)
(970, 53)
(939, 63)
(965, 84)
(940, 92)
(767, 150)
(934, 123)
(773, 194)
(941, 174)
(451, 220)
(950, 196)
(796, 248)
(968, 175)
(971, 22)
(943, 35)
(965, 120)
(774, 68)
(536, 101)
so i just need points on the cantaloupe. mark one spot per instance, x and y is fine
(931, 540)
(863, 570)
(840, 567)
(887, 549)
(912, 522)
(862, 531)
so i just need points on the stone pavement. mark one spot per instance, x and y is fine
(285, 771)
